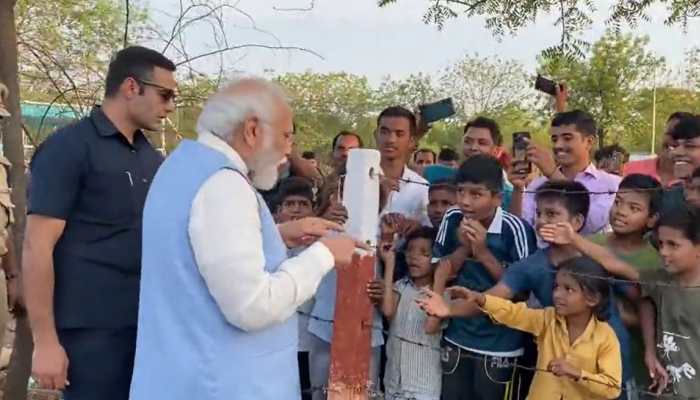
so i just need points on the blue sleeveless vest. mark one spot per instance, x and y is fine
(185, 348)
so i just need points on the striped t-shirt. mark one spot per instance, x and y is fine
(510, 239)
(412, 371)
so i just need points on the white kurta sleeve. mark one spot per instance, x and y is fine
(226, 239)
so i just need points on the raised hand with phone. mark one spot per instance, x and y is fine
(525, 153)
(427, 114)
(559, 91)
(521, 166)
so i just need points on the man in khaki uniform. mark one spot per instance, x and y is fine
(8, 271)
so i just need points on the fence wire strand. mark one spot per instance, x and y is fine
(612, 280)
(483, 359)
(605, 192)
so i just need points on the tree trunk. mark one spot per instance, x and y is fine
(13, 147)
(21, 361)
(12, 135)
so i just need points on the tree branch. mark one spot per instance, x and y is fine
(51, 79)
(243, 46)
(563, 23)
(309, 8)
(174, 32)
(61, 68)
(126, 24)
(46, 112)
(32, 141)
(470, 6)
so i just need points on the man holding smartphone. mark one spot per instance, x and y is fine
(573, 135)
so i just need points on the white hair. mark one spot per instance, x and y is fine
(226, 111)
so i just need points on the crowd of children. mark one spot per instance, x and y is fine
(586, 286)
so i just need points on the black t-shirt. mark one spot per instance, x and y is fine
(90, 176)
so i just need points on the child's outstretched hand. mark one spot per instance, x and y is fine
(561, 233)
(459, 292)
(561, 367)
(433, 304)
(657, 373)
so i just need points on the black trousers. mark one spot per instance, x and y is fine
(304, 378)
(473, 376)
(525, 376)
(100, 362)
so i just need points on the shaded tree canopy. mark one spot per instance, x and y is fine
(612, 78)
(572, 16)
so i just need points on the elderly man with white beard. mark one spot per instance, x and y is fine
(218, 293)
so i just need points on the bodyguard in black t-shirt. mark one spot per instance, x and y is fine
(82, 249)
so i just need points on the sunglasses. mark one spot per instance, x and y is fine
(165, 93)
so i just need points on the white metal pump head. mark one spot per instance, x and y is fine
(361, 195)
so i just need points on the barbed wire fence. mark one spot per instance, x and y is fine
(605, 192)
(610, 279)
(375, 394)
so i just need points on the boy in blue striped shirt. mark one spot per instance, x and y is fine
(480, 240)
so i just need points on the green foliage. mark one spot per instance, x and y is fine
(631, 12)
(409, 92)
(572, 16)
(612, 78)
(444, 134)
(693, 68)
(483, 85)
(668, 101)
(515, 118)
(65, 46)
(326, 104)
(607, 82)
(511, 118)
(613, 82)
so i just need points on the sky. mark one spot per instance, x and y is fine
(360, 38)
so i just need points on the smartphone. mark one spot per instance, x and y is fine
(437, 111)
(521, 141)
(546, 85)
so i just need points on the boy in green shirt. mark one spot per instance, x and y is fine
(633, 214)
(669, 309)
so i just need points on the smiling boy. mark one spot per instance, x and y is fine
(492, 239)
(573, 135)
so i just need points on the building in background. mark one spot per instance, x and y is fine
(40, 119)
